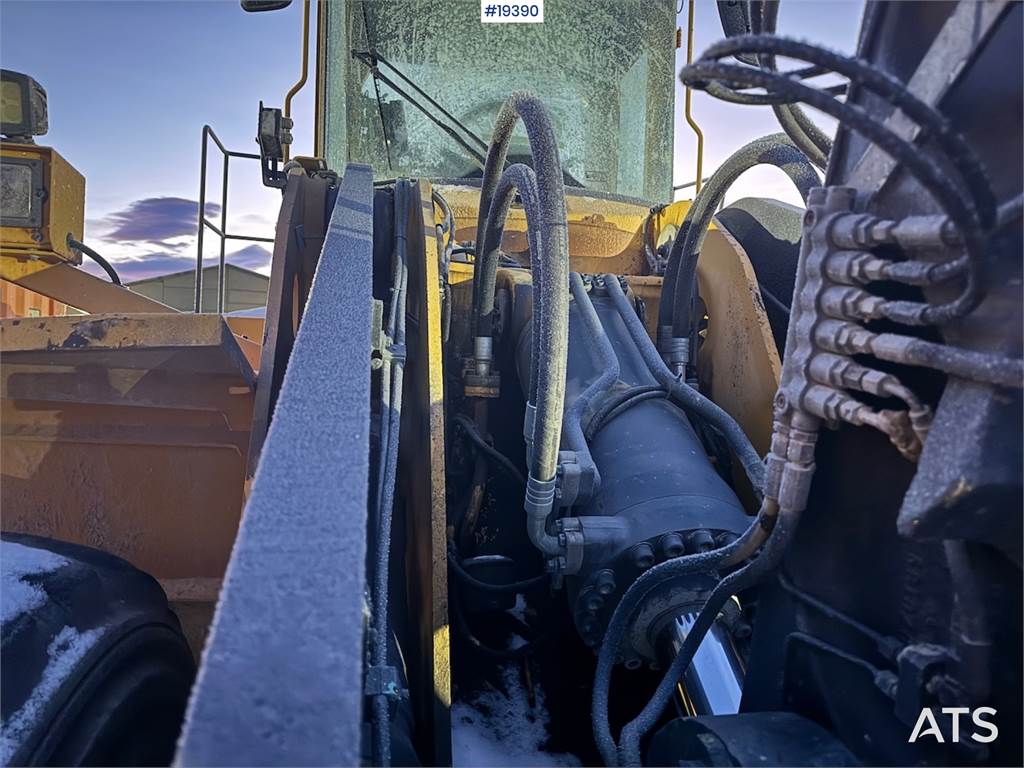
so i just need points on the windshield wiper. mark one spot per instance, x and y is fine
(372, 59)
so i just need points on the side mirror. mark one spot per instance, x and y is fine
(735, 16)
(255, 6)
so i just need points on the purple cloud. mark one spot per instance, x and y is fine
(155, 219)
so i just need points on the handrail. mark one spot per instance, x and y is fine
(689, 116)
(220, 231)
(305, 69)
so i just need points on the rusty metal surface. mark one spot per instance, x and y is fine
(422, 486)
(72, 286)
(128, 434)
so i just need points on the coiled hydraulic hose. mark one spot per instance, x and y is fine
(974, 214)
(543, 194)
(687, 396)
(678, 288)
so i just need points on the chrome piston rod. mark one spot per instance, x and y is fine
(714, 681)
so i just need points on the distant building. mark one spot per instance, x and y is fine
(243, 289)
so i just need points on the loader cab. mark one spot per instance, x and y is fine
(605, 73)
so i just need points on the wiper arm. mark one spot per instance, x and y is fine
(372, 59)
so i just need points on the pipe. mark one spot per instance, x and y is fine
(107, 267)
(680, 274)
(305, 67)
(608, 363)
(688, 114)
(687, 396)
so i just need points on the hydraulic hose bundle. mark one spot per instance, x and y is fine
(967, 200)
(543, 196)
(676, 324)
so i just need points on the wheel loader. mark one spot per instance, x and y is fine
(525, 462)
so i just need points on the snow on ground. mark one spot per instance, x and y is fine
(16, 563)
(65, 650)
(495, 729)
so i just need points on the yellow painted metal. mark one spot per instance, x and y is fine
(422, 485)
(739, 363)
(604, 235)
(127, 433)
(24, 250)
(70, 285)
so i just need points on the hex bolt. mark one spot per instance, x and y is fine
(594, 602)
(632, 664)
(672, 545)
(605, 582)
(643, 556)
(702, 540)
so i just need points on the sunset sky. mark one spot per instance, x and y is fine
(130, 85)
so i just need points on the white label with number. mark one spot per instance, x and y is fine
(511, 13)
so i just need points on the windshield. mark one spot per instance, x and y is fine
(604, 69)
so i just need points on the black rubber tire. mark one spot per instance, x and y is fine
(123, 702)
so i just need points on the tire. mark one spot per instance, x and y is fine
(96, 670)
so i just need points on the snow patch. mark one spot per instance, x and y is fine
(17, 562)
(502, 729)
(65, 651)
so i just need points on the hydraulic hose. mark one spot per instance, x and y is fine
(105, 265)
(678, 288)
(391, 405)
(599, 343)
(748, 575)
(687, 396)
(549, 243)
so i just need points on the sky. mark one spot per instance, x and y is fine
(130, 84)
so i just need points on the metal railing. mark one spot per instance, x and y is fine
(220, 231)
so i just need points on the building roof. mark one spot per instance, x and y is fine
(212, 267)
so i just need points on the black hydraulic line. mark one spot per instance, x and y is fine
(774, 300)
(700, 562)
(887, 646)
(462, 627)
(803, 132)
(607, 363)
(500, 459)
(770, 557)
(935, 124)
(687, 396)
(391, 410)
(973, 216)
(75, 245)
(550, 261)
(678, 287)
(820, 645)
(548, 231)
(931, 176)
(616, 399)
(515, 586)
